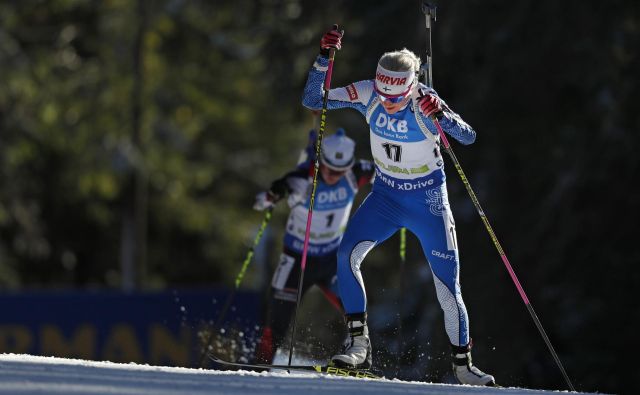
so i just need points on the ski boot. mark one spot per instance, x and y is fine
(464, 370)
(356, 353)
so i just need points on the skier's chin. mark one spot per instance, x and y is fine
(391, 110)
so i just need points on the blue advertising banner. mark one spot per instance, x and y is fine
(159, 328)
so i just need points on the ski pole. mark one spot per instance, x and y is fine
(503, 256)
(426, 8)
(238, 280)
(429, 11)
(316, 168)
(403, 260)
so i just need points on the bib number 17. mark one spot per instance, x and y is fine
(394, 151)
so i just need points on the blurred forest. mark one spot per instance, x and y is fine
(134, 136)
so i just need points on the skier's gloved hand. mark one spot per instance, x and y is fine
(430, 105)
(264, 200)
(331, 39)
(278, 189)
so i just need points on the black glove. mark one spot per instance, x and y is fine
(279, 189)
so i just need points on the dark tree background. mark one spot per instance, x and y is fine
(137, 133)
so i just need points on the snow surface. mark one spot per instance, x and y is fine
(26, 375)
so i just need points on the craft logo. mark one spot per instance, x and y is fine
(442, 255)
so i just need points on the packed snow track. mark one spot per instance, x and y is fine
(26, 375)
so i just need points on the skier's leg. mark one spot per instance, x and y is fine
(434, 226)
(327, 281)
(332, 297)
(284, 286)
(373, 223)
(273, 334)
(437, 235)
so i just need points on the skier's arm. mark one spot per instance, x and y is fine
(279, 189)
(287, 184)
(354, 96)
(313, 94)
(450, 121)
(298, 182)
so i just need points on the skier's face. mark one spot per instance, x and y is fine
(392, 108)
(330, 176)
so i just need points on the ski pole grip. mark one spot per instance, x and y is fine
(428, 9)
(332, 55)
(327, 79)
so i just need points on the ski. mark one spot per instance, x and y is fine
(321, 369)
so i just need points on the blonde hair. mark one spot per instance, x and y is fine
(402, 60)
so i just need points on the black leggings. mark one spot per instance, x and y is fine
(320, 271)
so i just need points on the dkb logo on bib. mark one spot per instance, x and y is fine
(391, 124)
(332, 196)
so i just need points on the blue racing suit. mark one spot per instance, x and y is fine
(331, 212)
(409, 191)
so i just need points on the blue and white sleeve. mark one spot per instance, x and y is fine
(451, 123)
(356, 95)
